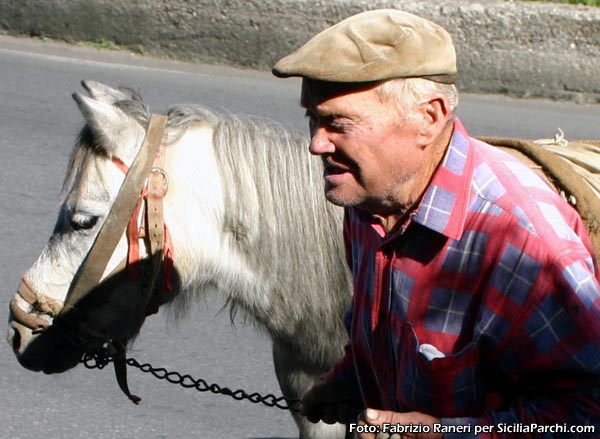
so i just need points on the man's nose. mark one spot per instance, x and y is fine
(320, 142)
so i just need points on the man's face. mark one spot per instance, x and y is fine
(371, 153)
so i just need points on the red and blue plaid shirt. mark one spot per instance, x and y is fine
(484, 308)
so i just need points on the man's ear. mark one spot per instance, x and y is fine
(435, 114)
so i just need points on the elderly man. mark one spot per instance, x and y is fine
(476, 298)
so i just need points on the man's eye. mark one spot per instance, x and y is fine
(82, 222)
(336, 126)
(327, 122)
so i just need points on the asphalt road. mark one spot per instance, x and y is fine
(38, 124)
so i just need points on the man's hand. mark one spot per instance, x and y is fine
(379, 418)
(331, 402)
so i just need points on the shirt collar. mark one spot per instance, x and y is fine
(445, 202)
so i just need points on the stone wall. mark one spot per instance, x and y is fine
(529, 49)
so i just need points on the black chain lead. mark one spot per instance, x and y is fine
(97, 361)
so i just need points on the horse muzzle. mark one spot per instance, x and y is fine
(30, 314)
(46, 351)
(38, 345)
(45, 336)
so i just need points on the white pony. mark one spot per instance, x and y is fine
(247, 217)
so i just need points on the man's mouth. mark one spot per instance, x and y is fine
(332, 168)
(335, 175)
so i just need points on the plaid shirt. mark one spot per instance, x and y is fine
(484, 308)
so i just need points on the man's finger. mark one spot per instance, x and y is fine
(360, 420)
(376, 417)
(381, 417)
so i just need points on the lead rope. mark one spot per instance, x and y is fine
(100, 361)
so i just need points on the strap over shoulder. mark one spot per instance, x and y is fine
(572, 168)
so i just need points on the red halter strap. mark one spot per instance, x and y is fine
(135, 232)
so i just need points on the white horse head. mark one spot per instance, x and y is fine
(246, 216)
(111, 135)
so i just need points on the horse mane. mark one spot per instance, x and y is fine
(285, 230)
(277, 208)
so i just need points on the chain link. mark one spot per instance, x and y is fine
(100, 361)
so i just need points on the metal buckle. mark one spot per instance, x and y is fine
(165, 178)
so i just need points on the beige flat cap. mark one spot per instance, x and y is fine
(373, 46)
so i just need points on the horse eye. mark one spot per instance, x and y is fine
(82, 222)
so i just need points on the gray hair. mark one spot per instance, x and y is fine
(409, 92)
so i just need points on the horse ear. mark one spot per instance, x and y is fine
(103, 92)
(114, 130)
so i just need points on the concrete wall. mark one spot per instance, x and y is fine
(519, 48)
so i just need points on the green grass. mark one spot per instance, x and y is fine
(102, 44)
(573, 2)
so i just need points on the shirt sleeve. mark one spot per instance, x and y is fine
(552, 359)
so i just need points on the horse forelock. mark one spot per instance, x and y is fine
(181, 117)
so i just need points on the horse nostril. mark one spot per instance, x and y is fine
(15, 336)
(17, 341)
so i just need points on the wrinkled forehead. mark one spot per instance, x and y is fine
(314, 92)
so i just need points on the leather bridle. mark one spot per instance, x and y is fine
(146, 166)
(144, 187)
